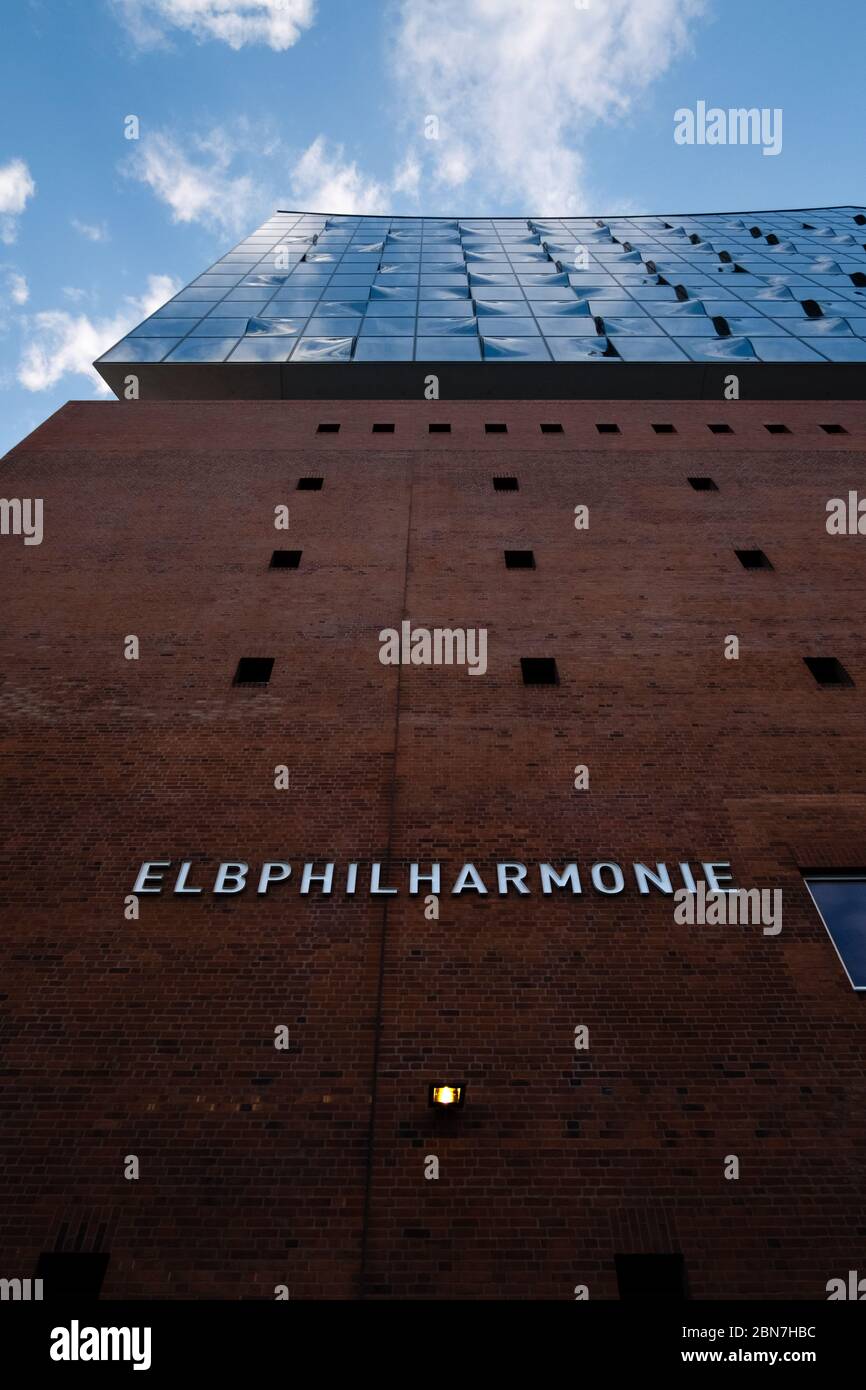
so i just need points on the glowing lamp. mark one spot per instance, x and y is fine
(447, 1096)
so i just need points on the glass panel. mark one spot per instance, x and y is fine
(446, 308)
(388, 327)
(615, 325)
(785, 350)
(323, 350)
(580, 350)
(648, 350)
(524, 349)
(383, 350)
(719, 349)
(842, 907)
(841, 349)
(445, 349)
(202, 350)
(219, 328)
(262, 350)
(448, 327)
(571, 327)
(275, 327)
(139, 350)
(165, 328)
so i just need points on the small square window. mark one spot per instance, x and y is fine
(664, 429)
(841, 902)
(310, 484)
(328, 429)
(834, 429)
(608, 429)
(651, 1276)
(383, 429)
(703, 485)
(827, 670)
(438, 427)
(753, 559)
(777, 429)
(720, 429)
(505, 485)
(539, 670)
(552, 429)
(496, 429)
(519, 559)
(254, 670)
(286, 559)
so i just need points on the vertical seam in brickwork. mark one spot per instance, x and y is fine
(392, 798)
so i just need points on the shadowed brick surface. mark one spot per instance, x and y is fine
(155, 1037)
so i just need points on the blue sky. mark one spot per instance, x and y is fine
(543, 107)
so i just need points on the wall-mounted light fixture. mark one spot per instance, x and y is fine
(442, 1095)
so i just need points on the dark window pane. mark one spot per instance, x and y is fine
(842, 905)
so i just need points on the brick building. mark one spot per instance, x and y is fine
(614, 1060)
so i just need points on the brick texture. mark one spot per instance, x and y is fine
(154, 1037)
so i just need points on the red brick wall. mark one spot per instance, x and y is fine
(155, 1037)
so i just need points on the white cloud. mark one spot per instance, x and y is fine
(324, 181)
(228, 180)
(199, 186)
(76, 295)
(91, 230)
(277, 23)
(407, 178)
(59, 343)
(19, 291)
(16, 186)
(517, 86)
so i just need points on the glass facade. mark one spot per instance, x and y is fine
(746, 287)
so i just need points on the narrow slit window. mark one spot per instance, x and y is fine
(703, 485)
(665, 429)
(439, 427)
(519, 559)
(827, 670)
(608, 429)
(539, 670)
(834, 429)
(254, 670)
(777, 429)
(328, 429)
(496, 429)
(505, 485)
(286, 559)
(753, 559)
(310, 484)
(720, 429)
(385, 428)
(552, 428)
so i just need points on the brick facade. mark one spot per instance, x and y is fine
(155, 1037)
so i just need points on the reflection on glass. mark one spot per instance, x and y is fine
(323, 350)
(331, 280)
(202, 350)
(842, 906)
